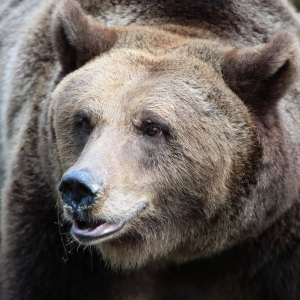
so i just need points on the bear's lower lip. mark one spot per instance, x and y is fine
(92, 229)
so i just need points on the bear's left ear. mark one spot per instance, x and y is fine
(261, 76)
(77, 37)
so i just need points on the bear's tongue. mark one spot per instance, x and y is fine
(95, 228)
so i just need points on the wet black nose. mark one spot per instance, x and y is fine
(78, 189)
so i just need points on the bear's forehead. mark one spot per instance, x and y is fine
(133, 76)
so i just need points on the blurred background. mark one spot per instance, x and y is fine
(296, 3)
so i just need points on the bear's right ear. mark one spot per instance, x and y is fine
(261, 75)
(77, 37)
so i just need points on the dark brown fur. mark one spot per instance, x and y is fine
(211, 205)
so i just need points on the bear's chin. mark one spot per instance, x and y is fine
(117, 243)
(128, 248)
(127, 257)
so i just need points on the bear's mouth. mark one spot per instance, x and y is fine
(95, 229)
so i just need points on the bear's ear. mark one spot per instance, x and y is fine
(261, 75)
(77, 37)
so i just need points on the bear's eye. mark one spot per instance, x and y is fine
(86, 125)
(153, 130)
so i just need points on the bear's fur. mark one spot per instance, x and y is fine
(187, 116)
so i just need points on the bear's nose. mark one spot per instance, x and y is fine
(78, 189)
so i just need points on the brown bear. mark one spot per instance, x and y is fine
(150, 150)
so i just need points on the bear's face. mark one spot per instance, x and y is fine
(155, 135)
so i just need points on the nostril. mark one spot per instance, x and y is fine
(67, 193)
(67, 189)
(85, 191)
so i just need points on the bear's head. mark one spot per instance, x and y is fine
(160, 139)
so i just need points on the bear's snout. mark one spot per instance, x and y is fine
(79, 190)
